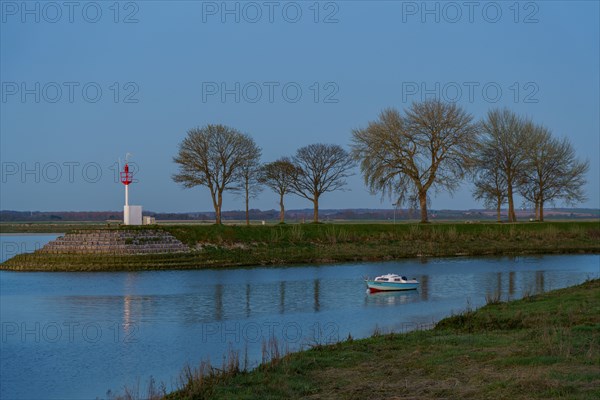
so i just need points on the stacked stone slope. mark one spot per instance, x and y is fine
(144, 241)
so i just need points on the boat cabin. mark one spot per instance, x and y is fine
(391, 278)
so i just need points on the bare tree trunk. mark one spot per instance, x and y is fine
(247, 207)
(281, 209)
(512, 217)
(541, 210)
(247, 211)
(537, 210)
(423, 205)
(218, 208)
(498, 209)
(316, 209)
(215, 206)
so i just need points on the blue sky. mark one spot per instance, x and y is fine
(85, 83)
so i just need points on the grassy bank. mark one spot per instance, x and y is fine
(230, 246)
(541, 347)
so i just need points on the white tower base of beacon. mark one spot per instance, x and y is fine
(132, 215)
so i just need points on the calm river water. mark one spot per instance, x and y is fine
(77, 335)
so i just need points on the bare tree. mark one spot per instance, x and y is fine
(527, 185)
(490, 183)
(249, 178)
(552, 171)
(213, 156)
(279, 176)
(430, 147)
(321, 168)
(508, 136)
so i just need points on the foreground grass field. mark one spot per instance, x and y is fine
(233, 246)
(541, 347)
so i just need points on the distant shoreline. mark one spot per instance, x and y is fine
(350, 215)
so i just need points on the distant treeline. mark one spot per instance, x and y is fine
(291, 215)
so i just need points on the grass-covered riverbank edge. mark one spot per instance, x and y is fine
(539, 347)
(237, 246)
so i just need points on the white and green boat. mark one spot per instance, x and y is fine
(391, 282)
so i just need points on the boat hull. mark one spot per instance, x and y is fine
(391, 286)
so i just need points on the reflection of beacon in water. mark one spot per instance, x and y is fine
(132, 215)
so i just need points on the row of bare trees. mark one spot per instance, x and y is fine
(224, 159)
(516, 155)
(431, 147)
(435, 146)
(313, 171)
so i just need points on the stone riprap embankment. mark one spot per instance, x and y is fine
(115, 242)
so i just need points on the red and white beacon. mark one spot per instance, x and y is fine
(132, 215)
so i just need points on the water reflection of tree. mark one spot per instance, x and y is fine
(539, 281)
(247, 299)
(282, 297)
(511, 283)
(424, 287)
(530, 283)
(317, 293)
(498, 284)
(218, 301)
